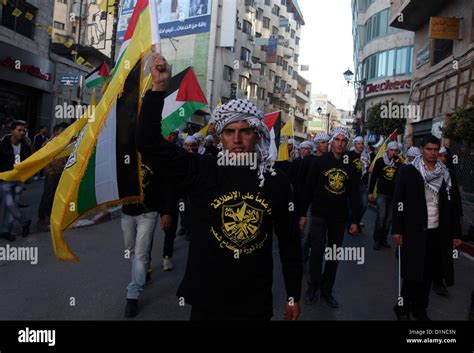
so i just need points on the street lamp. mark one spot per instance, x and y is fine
(348, 76)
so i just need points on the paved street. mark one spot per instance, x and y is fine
(98, 282)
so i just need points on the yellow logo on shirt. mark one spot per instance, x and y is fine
(358, 164)
(388, 172)
(336, 181)
(241, 222)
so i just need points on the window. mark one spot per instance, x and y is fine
(249, 3)
(378, 26)
(268, 2)
(272, 75)
(228, 73)
(279, 60)
(258, 35)
(285, 65)
(243, 84)
(283, 2)
(20, 24)
(293, 34)
(266, 22)
(245, 54)
(295, 59)
(259, 15)
(276, 10)
(277, 81)
(253, 90)
(275, 31)
(59, 25)
(62, 1)
(297, 41)
(261, 93)
(295, 75)
(442, 48)
(247, 27)
(387, 63)
(263, 48)
(263, 70)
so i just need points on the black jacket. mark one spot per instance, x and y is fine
(410, 219)
(230, 261)
(7, 159)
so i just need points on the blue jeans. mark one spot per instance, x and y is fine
(10, 192)
(384, 218)
(138, 234)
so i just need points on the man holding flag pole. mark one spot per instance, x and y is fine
(235, 211)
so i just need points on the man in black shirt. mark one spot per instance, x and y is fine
(383, 176)
(229, 272)
(331, 181)
(360, 159)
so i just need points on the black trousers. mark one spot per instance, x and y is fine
(323, 232)
(49, 189)
(416, 293)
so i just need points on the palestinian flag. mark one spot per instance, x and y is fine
(273, 122)
(184, 98)
(97, 77)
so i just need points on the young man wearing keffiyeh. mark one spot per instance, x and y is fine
(236, 209)
(426, 225)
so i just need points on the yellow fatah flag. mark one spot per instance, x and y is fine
(4, 2)
(80, 60)
(29, 16)
(141, 36)
(283, 154)
(288, 128)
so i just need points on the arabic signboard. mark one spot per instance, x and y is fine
(70, 79)
(175, 17)
(444, 28)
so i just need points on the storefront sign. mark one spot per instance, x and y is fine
(388, 86)
(444, 28)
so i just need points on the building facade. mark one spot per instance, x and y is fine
(443, 71)
(27, 73)
(383, 57)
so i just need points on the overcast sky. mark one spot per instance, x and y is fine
(326, 46)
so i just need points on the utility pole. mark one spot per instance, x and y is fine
(114, 29)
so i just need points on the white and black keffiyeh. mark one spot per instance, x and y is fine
(338, 130)
(240, 110)
(433, 179)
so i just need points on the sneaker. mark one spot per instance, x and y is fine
(131, 309)
(26, 229)
(8, 236)
(148, 274)
(167, 264)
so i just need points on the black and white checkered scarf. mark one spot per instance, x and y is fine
(243, 110)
